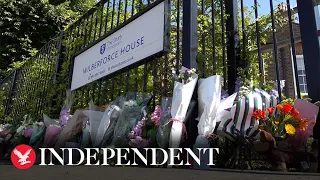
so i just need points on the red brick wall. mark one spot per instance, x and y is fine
(285, 62)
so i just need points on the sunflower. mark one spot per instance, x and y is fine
(290, 129)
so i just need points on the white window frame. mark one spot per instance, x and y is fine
(305, 83)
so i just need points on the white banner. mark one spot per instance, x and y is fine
(138, 40)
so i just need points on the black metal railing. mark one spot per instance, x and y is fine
(230, 36)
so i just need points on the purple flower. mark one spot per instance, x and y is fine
(28, 132)
(238, 84)
(224, 94)
(274, 92)
(64, 116)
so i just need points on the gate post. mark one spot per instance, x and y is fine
(311, 55)
(189, 60)
(233, 48)
(190, 34)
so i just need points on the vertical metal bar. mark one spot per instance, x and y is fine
(203, 41)
(233, 55)
(145, 77)
(223, 42)
(132, 8)
(113, 11)
(293, 46)
(178, 37)
(58, 58)
(13, 82)
(189, 38)
(105, 89)
(284, 69)
(214, 57)
(96, 24)
(107, 17)
(125, 9)
(127, 69)
(261, 65)
(119, 12)
(101, 20)
(85, 32)
(99, 91)
(275, 50)
(90, 30)
(93, 92)
(244, 38)
(120, 73)
(154, 73)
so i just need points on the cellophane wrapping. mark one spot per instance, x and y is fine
(163, 134)
(133, 110)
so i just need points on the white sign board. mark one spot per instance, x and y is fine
(141, 38)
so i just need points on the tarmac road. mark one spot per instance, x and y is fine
(8, 172)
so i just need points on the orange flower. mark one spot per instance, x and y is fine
(313, 122)
(259, 114)
(103, 107)
(295, 113)
(276, 122)
(280, 107)
(287, 108)
(303, 124)
(270, 110)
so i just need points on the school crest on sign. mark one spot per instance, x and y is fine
(103, 48)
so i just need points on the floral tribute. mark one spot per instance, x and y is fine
(280, 121)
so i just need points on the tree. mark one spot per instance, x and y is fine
(27, 25)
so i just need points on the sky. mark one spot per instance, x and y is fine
(265, 4)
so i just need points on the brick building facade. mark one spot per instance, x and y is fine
(285, 58)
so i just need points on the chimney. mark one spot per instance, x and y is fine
(282, 7)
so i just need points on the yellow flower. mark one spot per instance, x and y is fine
(290, 129)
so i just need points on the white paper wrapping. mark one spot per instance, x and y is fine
(209, 94)
(182, 94)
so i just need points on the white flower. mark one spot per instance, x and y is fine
(21, 129)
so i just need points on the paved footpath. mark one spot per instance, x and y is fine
(131, 173)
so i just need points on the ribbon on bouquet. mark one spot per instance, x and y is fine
(184, 129)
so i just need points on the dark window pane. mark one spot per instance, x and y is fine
(300, 79)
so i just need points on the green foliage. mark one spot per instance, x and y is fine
(27, 25)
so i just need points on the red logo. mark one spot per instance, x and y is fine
(23, 156)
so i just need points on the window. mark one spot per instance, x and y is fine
(302, 74)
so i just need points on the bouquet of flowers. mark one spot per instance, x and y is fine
(6, 132)
(95, 115)
(65, 111)
(281, 124)
(133, 110)
(136, 139)
(53, 130)
(38, 131)
(85, 140)
(113, 115)
(182, 93)
(24, 131)
(209, 95)
(310, 112)
(161, 118)
(72, 129)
